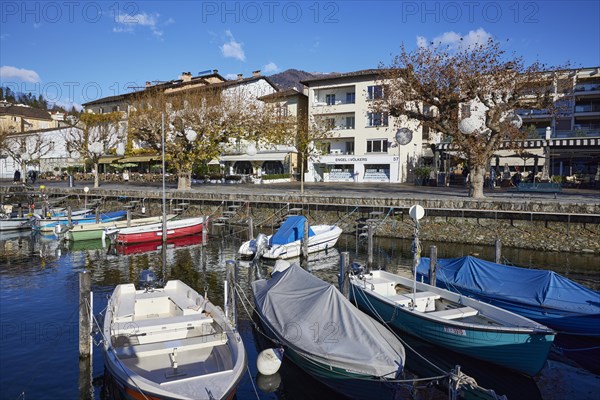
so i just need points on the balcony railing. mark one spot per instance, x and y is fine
(321, 102)
(587, 108)
(587, 87)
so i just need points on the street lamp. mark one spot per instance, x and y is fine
(546, 171)
(403, 137)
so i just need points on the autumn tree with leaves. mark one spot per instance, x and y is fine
(198, 124)
(469, 94)
(98, 136)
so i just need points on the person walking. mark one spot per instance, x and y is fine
(17, 177)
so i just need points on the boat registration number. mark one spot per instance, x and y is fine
(455, 331)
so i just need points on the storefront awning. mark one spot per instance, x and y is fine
(257, 157)
(108, 159)
(138, 159)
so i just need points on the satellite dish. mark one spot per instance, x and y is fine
(416, 212)
(403, 136)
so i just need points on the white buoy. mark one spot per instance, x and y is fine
(269, 361)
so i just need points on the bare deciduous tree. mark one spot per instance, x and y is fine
(469, 94)
(25, 148)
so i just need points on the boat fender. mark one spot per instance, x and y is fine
(269, 361)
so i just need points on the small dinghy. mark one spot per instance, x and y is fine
(170, 343)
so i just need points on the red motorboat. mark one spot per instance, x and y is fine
(153, 232)
(157, 245)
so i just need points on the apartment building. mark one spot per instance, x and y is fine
(20, 118)
(360, 145)
(249, 88)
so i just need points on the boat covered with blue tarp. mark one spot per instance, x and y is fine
(541, 295)
(291, 230)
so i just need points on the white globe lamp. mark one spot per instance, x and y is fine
(251, 150)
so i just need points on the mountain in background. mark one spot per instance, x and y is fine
(291, 78)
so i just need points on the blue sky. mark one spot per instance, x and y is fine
(78, 51)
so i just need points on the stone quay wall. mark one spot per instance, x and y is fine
(522, 223)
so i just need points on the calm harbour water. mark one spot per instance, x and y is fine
(39, 306)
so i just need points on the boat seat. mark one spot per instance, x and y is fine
(158, 325)
(126, 307)
(166, 347)
(188, 305)
(454, 313)
(424, 301)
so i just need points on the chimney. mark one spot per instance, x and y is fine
(240, 76)
(186, 76)
(148, 83)
(215, 71)
(256, 73)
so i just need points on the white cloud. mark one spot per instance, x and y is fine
(270, 67)
(25, 75)
(127, 23)
(455, 40)
(233, 49)
(231, 77)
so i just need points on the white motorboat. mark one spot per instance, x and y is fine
(287, 241)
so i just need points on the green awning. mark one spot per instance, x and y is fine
(138, 159)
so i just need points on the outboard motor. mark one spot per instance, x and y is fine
(259, 244)
(147, 280)
(356, 269)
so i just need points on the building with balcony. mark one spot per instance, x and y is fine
(248, 88)
(359, 144)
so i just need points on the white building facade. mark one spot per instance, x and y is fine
(361, 145)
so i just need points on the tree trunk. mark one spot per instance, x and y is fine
(476, 181)
(184, 180)
(96, 175)
(23, 172)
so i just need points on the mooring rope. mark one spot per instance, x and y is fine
(308, 359)
(110, 347)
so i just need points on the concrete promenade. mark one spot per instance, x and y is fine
(570, 200)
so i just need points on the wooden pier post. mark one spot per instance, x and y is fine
(85, 312)
(128, 218)
(370, 246)
(97, 215)
(205, 230)
(69, 215)
(432, 264)
(85, 336)
(304, 251)
(345, 273)
(250, 228)
(498, 251)
(229, 300)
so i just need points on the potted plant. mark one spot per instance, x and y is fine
(422, 175)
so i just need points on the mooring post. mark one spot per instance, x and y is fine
(69, 215)
(229, 300)
(498, 251)
(205, 230)
(128, 218)
(85, 320)
(345, 273)
(304, 252)
(97, 215)
(250, 228)
(432, 264)
(370, 246)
